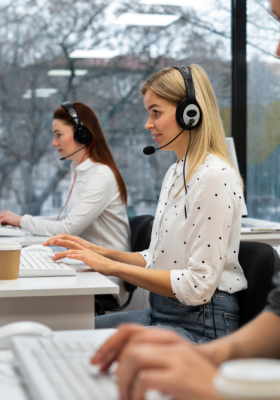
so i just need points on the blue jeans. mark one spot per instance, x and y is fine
(194, 323)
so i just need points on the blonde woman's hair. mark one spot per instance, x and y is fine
(209, 136)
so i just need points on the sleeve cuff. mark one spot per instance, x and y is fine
(179, 288)
(24, 221)
(146, 255)
(176, 284)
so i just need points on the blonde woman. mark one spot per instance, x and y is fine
(191, 267)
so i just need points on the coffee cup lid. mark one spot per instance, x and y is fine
(251, 370)
(8, 246)
(249, 378)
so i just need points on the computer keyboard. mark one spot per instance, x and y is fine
(59, 369)
(11, 231)
(35, 264)
(258, 223)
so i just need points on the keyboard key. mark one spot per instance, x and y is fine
(34, 264)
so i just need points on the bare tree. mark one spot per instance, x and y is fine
(36, 36)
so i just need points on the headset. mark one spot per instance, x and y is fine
(188, 112)
(82, 134)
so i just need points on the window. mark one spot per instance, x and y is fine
(263, 108)
(56, 200)
(97, 52)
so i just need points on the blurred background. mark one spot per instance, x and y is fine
(99, 53)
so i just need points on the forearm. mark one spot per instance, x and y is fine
(155, 281)
(47, 227)
(123, 257)
(259, 338)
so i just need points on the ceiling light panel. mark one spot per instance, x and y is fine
(67, 72)
(27, 94)
(180, 3)
(45, 92)
(101, 53)
(146, 19)
(197, 4)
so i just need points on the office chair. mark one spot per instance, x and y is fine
(141, 230)
(259, 262)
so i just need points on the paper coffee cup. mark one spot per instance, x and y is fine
(9, 261)
(249, 379)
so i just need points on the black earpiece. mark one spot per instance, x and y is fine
(82, 134)
(188, 112)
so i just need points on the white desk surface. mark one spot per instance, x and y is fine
(86, 282)
(26, 240)
(272, 238)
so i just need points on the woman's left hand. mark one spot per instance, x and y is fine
(98, 263)
(9, 218)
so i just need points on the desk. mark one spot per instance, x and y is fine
(26, 240)
(62, 303)
(272, 238)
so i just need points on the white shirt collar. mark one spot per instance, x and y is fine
(179, 167)
(83, 166)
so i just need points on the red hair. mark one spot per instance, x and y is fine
(99, 151)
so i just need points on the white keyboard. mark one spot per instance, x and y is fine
(59, 369)
(11, 231)
(37, 263)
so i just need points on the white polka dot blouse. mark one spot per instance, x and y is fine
(202, 250)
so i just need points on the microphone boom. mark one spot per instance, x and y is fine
(151, 150)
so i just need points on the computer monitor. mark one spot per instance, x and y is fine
(233, 158)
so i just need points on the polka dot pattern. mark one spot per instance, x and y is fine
(195, 248)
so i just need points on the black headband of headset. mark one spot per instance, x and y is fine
(187, 75)
(73, 114)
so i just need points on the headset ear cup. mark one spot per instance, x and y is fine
(179, 113)
(82, 135)
(186, 111)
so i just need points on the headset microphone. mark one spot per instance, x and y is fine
(64, 158)
(151, 150)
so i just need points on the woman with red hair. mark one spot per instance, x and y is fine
(95, 208)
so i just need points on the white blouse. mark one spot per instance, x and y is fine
(94, 212)
(202, 250)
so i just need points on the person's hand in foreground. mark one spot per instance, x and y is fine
(9, 218)
(111, 350)
(151, 358)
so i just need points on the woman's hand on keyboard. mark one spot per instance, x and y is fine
(72, 242)
(98, 263)
(153, 358)
(176, 369)
(9, 218)
(112, 349)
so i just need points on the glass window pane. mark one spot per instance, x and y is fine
(98, 52)
(263, 137)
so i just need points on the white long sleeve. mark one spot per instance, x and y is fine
(95, 211)
(202, 250)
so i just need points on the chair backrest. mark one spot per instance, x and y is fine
(259, 262)
(141, 229)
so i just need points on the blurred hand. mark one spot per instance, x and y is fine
(95, 261)
(9, 218)
(153, 358)
(176, 369)
(132, 333)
